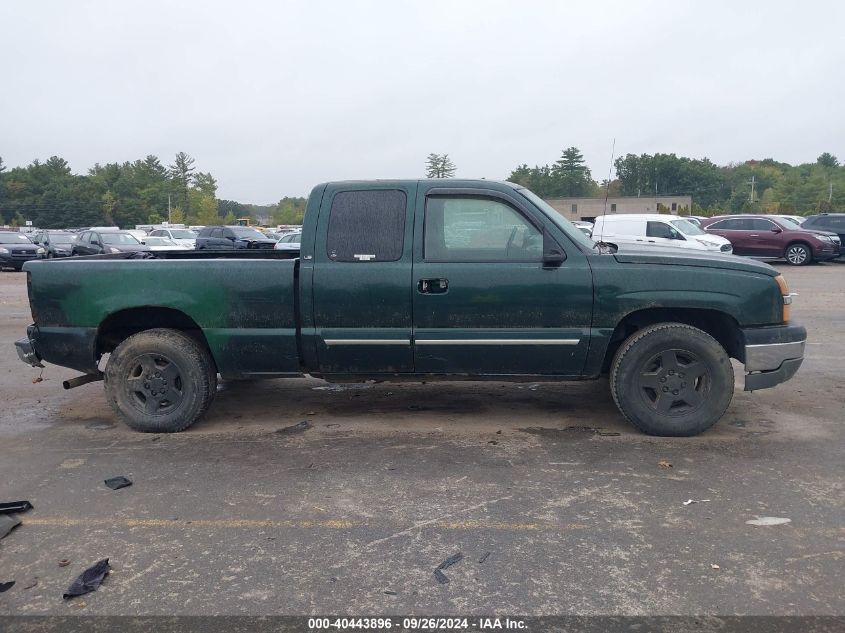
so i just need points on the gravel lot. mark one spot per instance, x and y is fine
(574, 507)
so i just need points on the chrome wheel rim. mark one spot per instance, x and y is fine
(796, 255)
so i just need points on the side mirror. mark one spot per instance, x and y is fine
(777, 229)
(553, 255)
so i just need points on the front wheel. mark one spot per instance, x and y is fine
(672, 379)
(160, 381)
(798, 254)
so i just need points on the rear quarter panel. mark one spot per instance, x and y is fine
(245, 308)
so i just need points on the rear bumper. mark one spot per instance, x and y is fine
(772, 354)
(26, 352)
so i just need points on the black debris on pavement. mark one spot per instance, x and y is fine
(89, 580)
(116, 483)
(484, 557)
(389, 593)
(296, 428)
(5, 586)
(455, 558)
(8, 522)
(15, 506)
(446, 564)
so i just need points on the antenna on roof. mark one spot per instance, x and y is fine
(607, 187)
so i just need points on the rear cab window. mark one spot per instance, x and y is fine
(367, 225)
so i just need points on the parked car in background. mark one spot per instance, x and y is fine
(16, 248)
(833, 222)
(769, 237)
(56, 243)
(652, 229)
(228, 237)
(798, 219)
(289, 242)
(103, 242)
(138, 234)
(186, 237)
(156, 243)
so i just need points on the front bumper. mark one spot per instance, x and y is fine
(772, 354)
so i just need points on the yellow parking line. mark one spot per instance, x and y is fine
(327, 524)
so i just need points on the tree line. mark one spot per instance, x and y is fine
(758, 186)
(140, 192)
(144, 191)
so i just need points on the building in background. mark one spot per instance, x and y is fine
(588, 209)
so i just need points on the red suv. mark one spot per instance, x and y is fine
(770, 237)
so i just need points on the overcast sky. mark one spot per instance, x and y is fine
(274, 97)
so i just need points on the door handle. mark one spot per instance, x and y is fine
(432, 286)
(753, 235)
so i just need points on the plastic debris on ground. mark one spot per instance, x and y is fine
(89, 580)
(5, 586)
(690, 501)
(15, 506)
(8, 522)
(446, 564)
(664, 464)
(116, 483)
(296, 428)
(766, 521)
(484, 557)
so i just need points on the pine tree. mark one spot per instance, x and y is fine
(439, 166)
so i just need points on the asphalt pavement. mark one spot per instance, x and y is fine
(556, 504)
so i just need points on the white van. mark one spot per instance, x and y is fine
(657, 230)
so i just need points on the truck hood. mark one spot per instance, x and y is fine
(629, 254)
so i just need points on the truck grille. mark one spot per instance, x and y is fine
(23, 255)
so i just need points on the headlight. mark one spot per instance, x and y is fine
(5, 251)
(40, 250)
(112, 249)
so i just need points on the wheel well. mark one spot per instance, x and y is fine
(719, 325)
(120, 325)
(801, 242)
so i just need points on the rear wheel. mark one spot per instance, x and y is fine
(160, 381)
(672, 379)
(798, 254)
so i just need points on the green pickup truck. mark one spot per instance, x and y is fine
(418, 280)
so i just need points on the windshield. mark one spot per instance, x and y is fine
(118, 238)
(788, 223)
(60, 238)
(160, 241)
(557, 218)
(246, 233)
(14, 238)
(183, 234)
(687, 228)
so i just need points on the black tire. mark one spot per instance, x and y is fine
(798, 254)
(160, 381)
(672, 380)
